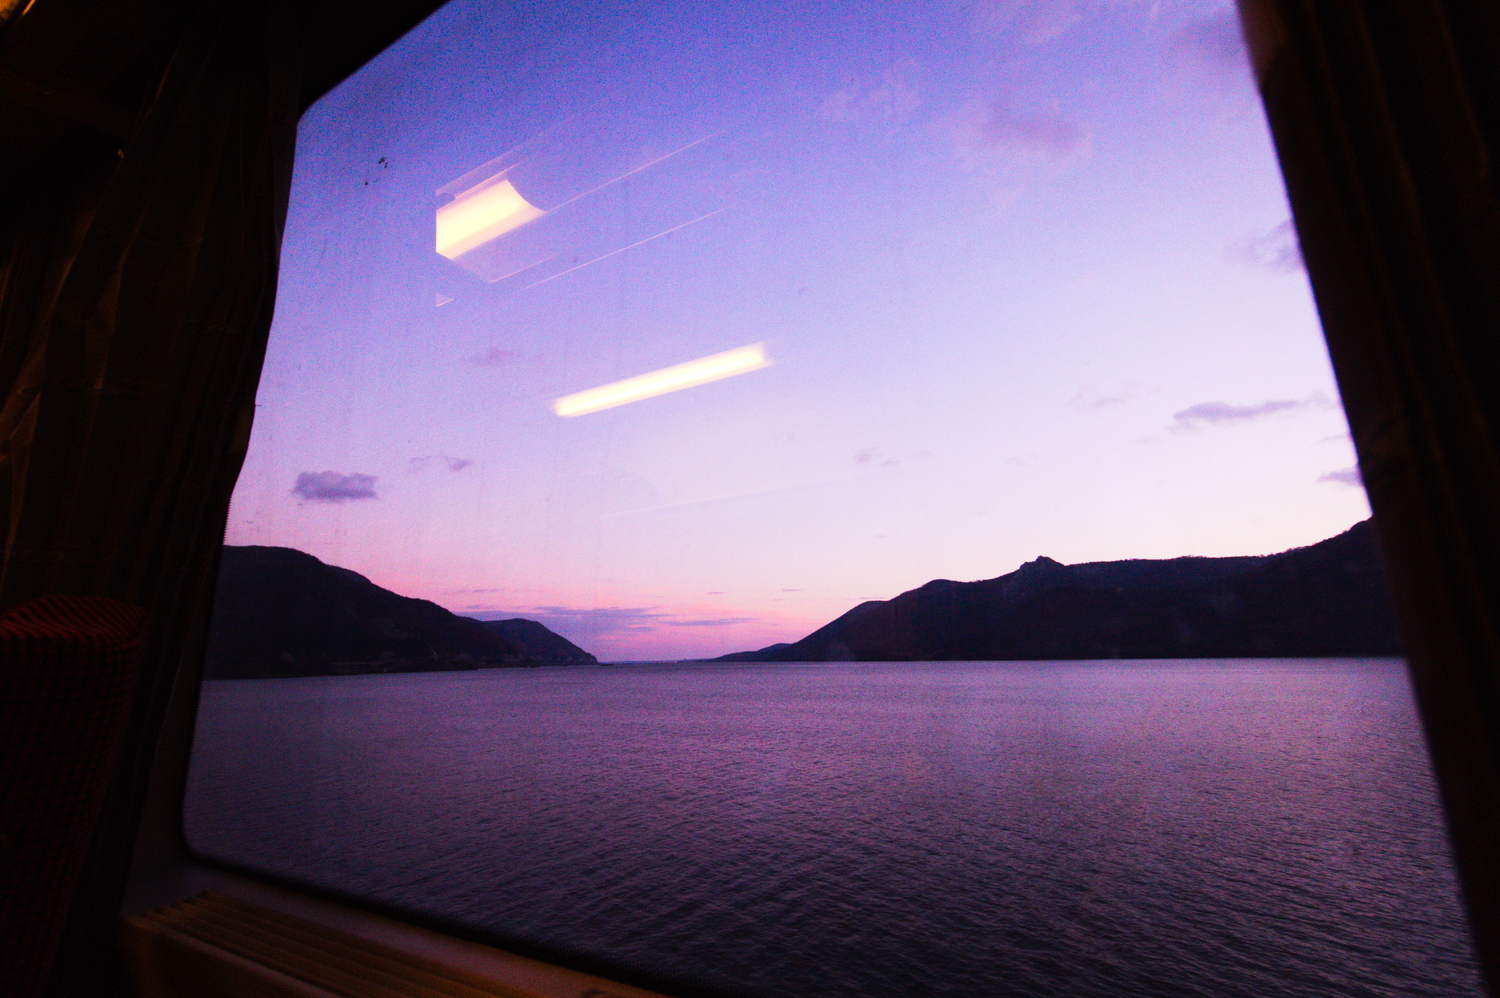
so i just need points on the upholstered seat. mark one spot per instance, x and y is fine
(68, 667)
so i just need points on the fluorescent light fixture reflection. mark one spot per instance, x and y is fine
(668, 379)
(479, 215)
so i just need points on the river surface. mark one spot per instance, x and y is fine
(1190, 828)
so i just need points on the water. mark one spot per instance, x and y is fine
(1160, 829)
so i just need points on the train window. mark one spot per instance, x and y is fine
(613, 339)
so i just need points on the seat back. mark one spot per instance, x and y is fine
(68, 667)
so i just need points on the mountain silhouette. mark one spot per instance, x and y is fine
(1328, 599)
(279, 612)
(538, 644)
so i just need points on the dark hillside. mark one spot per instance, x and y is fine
(538, 644)
(279, 612)
(1328, 599)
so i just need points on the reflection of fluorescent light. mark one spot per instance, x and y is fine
(474, 219)
(668, 379)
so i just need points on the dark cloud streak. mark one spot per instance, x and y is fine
(333, 486)
(711, 622)
(1217, 413)
(571, 621)
(583, 624)
(417, 464)
(493, 357)
(1344, 476)
(1276, 250)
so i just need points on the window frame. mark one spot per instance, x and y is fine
(164, 870)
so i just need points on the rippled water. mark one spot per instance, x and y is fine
(1262, 828)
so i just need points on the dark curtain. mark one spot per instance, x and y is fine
(1386, 118)
(136, 285)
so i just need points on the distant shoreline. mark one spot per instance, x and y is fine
(281, 613)
(1331, 659)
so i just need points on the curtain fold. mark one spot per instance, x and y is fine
(136, 291)
(1385, 121)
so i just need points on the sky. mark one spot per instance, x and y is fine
(1021, 274)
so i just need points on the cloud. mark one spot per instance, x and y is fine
(493, 357)
(1216, 413)
(1094, 400)
(585, 624)
(1000, 128)
(1276, 250)
(1344, 476)
(1209, 55)
(891, 100)
(990, 137)
(870, 455)
(596, 621)
(1033, 21)
(1007, 149)
(1036, 22)
(1090, 399)
(712, 622)
(417, 464)
(332, 486)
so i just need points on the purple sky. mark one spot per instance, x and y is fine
(1024, 272)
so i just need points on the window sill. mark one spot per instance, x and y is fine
(269, 943)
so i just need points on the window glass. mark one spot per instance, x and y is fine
(685, 329)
